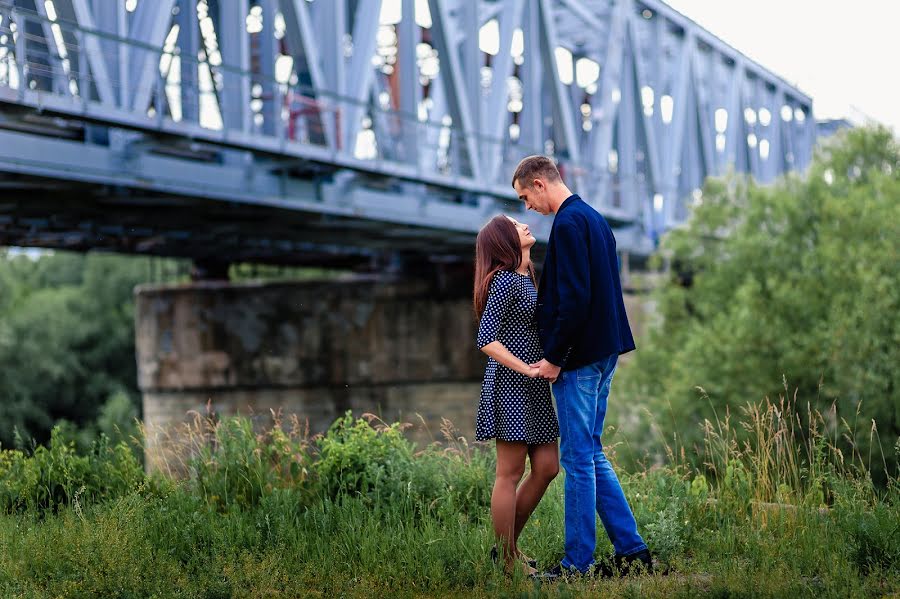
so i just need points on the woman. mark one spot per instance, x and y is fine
(515, 407)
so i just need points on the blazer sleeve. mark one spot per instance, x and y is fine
(573, 291)
(500, 297)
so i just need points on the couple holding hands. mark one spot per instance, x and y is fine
(569, 333)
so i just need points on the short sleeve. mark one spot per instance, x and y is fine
(500, 298)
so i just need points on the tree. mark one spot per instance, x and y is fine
(795, 282)
(66, 340)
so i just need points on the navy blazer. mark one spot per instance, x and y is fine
(580, 313)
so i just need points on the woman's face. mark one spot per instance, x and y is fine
(526, 239)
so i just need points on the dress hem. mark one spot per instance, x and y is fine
(525, 441)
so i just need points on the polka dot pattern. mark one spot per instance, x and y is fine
(513, 407)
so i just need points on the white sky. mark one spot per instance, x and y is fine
(843, 54)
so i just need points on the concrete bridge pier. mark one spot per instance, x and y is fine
(393, 347)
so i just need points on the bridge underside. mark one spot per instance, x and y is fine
(99, 217)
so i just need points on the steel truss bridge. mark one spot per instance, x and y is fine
(350, 132)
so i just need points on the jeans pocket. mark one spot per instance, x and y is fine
(588, 383)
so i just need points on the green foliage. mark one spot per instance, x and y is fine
(263, 513)
(378, 464)
(118, 418)
(57, 475)
(66, 339)
(230, 464)
(358, 459)
(666, 533)
(786, 288)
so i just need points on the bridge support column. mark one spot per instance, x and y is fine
(315, 349)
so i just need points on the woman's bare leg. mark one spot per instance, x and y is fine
(544, 468)
(510, 468)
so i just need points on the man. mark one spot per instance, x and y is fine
(583, 329)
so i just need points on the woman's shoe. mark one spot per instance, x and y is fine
(532, 563)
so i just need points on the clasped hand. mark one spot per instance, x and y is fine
(544, 370)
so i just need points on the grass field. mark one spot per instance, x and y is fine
(361, 512)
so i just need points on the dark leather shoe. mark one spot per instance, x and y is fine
(557, 572)
(636, 563)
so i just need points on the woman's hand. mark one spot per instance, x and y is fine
(532, 372)
(498, 351)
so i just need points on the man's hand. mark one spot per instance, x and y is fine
(546, 370)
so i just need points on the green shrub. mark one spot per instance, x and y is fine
(358, 459)
(375, 461)
(56, 475)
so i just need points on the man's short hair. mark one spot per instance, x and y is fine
(535, 167)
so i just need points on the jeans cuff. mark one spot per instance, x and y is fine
(567, 565)
(638, 549)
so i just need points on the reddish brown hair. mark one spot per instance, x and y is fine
(497, 247)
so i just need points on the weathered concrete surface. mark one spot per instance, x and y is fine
(315, 349)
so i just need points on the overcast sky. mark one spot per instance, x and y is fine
(843, 54)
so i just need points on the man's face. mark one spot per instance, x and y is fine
(534, 196)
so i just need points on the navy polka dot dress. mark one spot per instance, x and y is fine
(513, 407)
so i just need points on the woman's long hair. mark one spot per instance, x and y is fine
(497, 247)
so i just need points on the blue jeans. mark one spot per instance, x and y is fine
(590, 485)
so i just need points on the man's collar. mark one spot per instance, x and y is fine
(569, 200)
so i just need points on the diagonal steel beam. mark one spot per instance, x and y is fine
(628, 114)
(410, 89)
(563, 110)
(235, 47)
(150, 25)
(600, 141)
(649, 127)
(672, 156)
(110, 18)
(189, 48)
(361, 73)
(430, 130)
(330, 25)
(809, 138)
(454, 86)
(735, 116)
(496, 116)
(267, 52)
(776, 145)
(705, 117)
(531, 119)
(94, 52)
(59, 75)
(301, 40)
(467, 28)
(753, 153)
